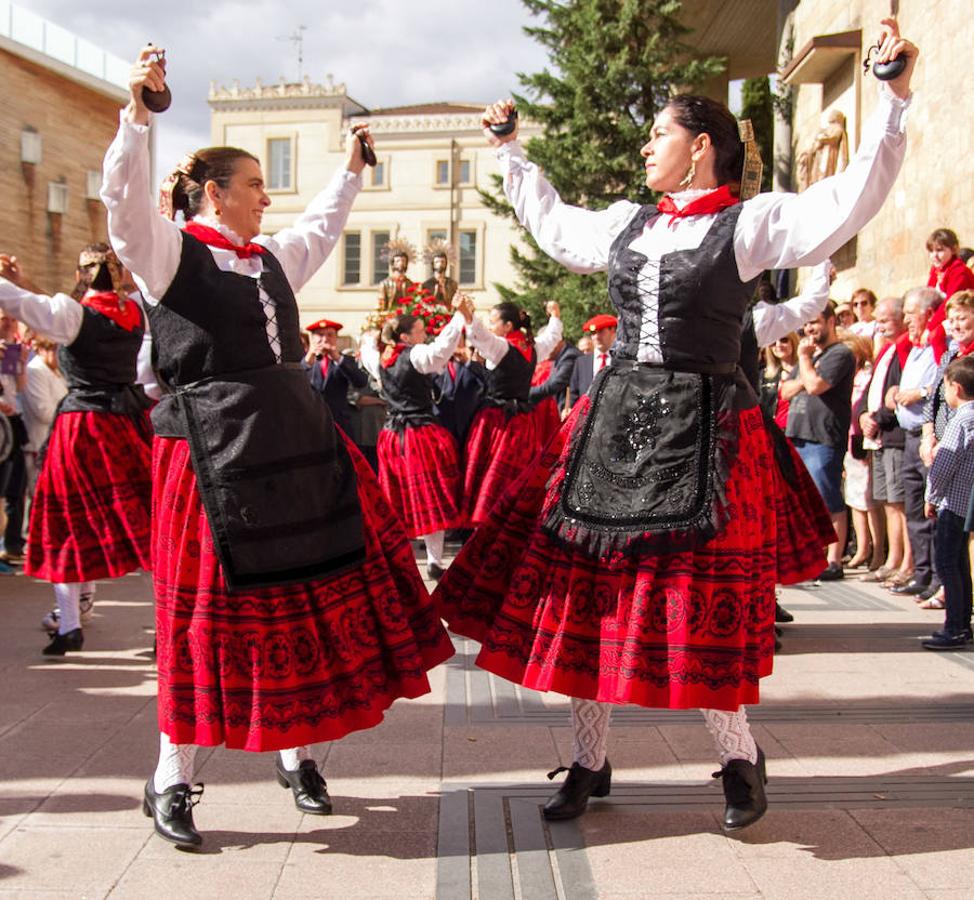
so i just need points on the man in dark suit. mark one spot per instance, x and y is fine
(602, 329)
(330, 372)
(459, 390)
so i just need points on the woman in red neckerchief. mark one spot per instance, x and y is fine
(948, 274)
(90, 514)
(505, 435)
(418, 466)
(636, 561)
(289, 609)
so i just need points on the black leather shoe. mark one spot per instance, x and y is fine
(62, 643)
(945, 640)
(744, 791)
(572, 797)
(832, 572)
(172, 812)
(942, 633)
(307, 785)
(928, 592)
(781, 614)
(911, 589)
(434, 572)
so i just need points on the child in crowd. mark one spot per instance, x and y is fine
(948, 497)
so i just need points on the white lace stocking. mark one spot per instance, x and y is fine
(732, 734)
(590, 732)
(434, 548)
(291, 759)
(176, 764)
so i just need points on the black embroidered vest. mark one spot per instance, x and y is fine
(509, 383)
(408, 392)
(101, 366)
(276, 481)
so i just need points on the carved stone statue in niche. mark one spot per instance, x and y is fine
(827, 153)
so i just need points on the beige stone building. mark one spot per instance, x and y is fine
(819, 46)
(431, 160)
(61, 96)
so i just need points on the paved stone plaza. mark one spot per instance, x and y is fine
(870, 745)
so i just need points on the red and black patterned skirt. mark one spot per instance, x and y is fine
(673, 630)
(420, 476)
(549, 419)
(499, 449)
(281, 667)
(90, 517)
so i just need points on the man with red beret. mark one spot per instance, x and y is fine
(602, 330)
(332, 373)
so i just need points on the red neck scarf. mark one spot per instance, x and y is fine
(903, 345)
(213, 237)
(519, 340)
(965, 349)
(390, 360)
(713, 202)
(109, 304)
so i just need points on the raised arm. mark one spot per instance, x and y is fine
(782, 231)
(577, 238)
(431, 359)
(773, 321)
(550, 336)
(58, 317)
(369, 354)
(146, 242)
(303, 247)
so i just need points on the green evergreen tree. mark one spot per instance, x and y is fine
(613, 65)
(756, 105)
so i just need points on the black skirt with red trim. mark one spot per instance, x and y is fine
(500, 448)
(90, 516)
(280, 667)
(420, 476)
(683, 629)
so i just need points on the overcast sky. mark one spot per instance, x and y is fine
(387, 52)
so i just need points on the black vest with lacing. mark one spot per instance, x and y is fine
(277, 483)
(509, 382)
(408, 392)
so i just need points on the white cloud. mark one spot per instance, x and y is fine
(386, 52)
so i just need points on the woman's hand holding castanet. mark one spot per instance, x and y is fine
(496, 114)
(148, 71)
(892, 46)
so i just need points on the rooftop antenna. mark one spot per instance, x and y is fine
(296, 37)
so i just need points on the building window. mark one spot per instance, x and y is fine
(379, 174)
(443, 173)
(380, 266)
(464, 172)
(30, 146)
(279, 164)
(352, 258)
(57, 197)
(468, 257)
(92, 184)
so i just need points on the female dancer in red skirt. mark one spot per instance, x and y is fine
(288, 605)
(418, 467)
(505, 435)
(636, 561)
(90, 517)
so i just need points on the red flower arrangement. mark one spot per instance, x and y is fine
(417, 302)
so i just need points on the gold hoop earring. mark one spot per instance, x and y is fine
(688, 178)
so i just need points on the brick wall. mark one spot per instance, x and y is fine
(936, 185)
(76, 125)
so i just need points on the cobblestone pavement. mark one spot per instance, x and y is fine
(869, 739)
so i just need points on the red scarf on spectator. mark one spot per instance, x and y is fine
(518, 339)
(390, 360)
(109, 304)
(903, 345)
(713, 202)
(213, 237)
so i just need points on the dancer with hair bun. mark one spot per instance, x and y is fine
(90, 516)
(636, 560)
(418, 465)
(505, 435)
(288, 606)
